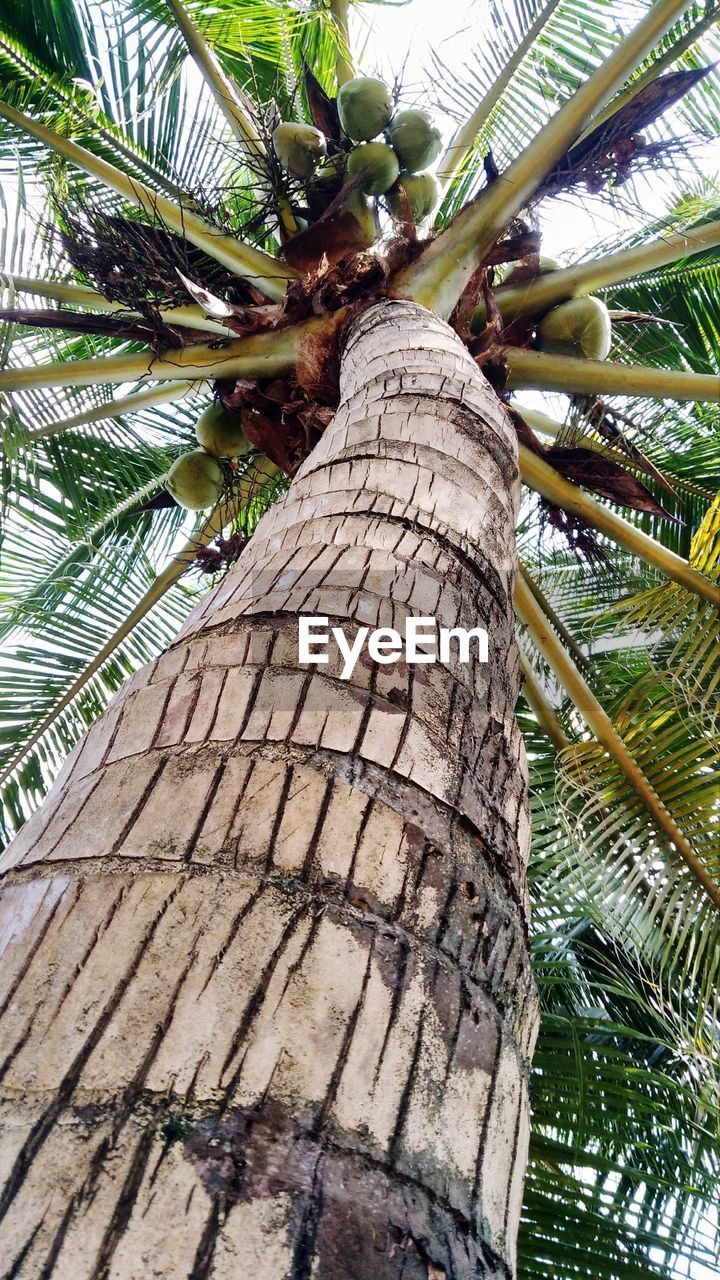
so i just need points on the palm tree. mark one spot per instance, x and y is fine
(267, 1004)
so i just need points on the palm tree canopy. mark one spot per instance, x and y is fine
(157, 252)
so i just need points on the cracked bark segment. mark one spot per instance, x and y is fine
(253, 1192)
(265, 989)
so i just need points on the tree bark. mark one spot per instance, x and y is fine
(266, 1001)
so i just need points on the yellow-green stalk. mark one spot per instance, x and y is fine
(602, 727)
(268, 274)
(546, 372)
(462, 143)
(262, 355)
(533, 297)
(545, 480)
(79, 295)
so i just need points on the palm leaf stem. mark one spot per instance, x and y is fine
(656, 69)
(261, 355)
(570, 643)
(221, 87)
(437, 278)
(461, 145)
(551, 727)
(229, 103)
(545, 480)
(601, 726)
(540, 706)
(547, 426)
(343, 60)
(545, 291)
(265, 272)
(541, 371)
(79, 295)
(114, 409)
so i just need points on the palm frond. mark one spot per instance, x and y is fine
(664, 702)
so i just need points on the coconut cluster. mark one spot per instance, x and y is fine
(387, 151)
(197, 480)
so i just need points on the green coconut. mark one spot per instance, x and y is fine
(330, 175)
(381, 166)
(548, 264)
(220, 432)
(580, 327)
(421, 191)
(195, 480)
(365, 214)
(299, 148)
(365, 107)
(524, 269)
(415, 139)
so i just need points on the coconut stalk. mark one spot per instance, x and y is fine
(343, 62)
(78, 295)
(266, 273)
(533, 297)
(541, 708)
(570, 643)
(462, 143)
(545, 480)
(438, 277)
(114, 409)
(262, 355)
(602, 727)
(223, 90)
(260, 475)
(545, 372)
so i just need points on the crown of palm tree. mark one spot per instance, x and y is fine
(174, 260)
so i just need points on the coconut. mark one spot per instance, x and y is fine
(365, 214)
(548, 264)
(421, 191)
(220, 432)
(299, 148)
(580, 327)
(415, 139)
(381, 165)
(329, 176)
(365, 107)
(524, 269)
(195, 480)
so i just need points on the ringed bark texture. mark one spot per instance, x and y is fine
(266, 1001)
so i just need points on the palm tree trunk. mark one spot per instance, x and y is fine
(267, 1009)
